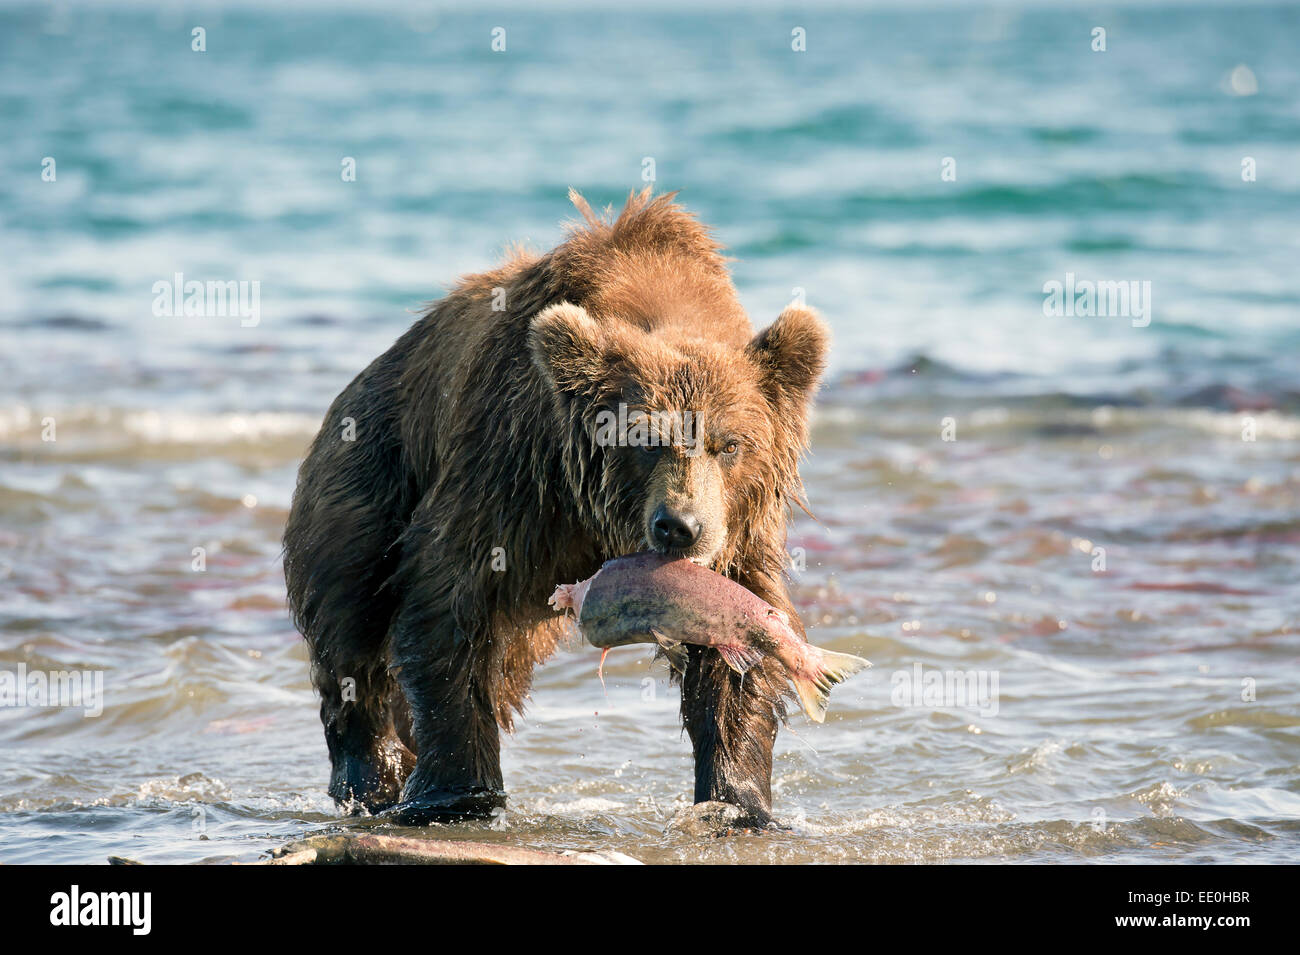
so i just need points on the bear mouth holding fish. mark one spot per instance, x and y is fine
(667, 595)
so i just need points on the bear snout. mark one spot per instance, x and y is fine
(673, 530)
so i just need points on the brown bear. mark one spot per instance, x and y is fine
(460, 477)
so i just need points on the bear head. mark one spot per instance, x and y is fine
(677, 442)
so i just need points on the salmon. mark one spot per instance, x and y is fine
(650, 598)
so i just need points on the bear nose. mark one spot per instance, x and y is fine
(675, 530)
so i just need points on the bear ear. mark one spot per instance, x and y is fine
(791, 356)
(568, 347)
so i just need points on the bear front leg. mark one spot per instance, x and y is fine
(732, 722)
(368, 761)
(457, 771)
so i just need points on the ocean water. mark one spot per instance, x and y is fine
(1099, 512)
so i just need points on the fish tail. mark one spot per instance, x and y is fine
(822, 670)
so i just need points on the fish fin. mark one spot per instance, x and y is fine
(828, 668)
(600, 670)
(739, 656)
(672, 650)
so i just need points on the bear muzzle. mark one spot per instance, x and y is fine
(674, 531)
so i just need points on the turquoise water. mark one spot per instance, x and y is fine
(822, 172)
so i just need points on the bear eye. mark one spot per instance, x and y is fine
(731, 448)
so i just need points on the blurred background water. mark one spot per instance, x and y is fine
(1114, 532)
